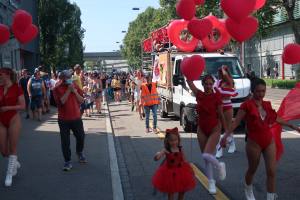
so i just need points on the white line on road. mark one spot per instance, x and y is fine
(114, 168)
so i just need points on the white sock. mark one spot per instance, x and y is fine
(212, 159)
(209, 170)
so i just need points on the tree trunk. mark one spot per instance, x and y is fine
(289, 6)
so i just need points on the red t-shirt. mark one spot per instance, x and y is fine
(10, 98)
(71, 109)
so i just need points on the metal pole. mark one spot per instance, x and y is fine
(261, 67)
(282, 63)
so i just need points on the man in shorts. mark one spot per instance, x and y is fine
(36, 92)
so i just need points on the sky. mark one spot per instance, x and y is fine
(104, 21)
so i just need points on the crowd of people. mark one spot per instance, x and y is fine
(77, 93)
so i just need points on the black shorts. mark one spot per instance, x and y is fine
(117, 89)
(36, 102)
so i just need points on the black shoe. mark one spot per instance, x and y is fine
(132, 108)
(144, 115)
(81, 158)
(67, 166)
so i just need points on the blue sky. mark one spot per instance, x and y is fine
(104, 21)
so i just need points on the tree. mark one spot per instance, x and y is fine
(61, 33)
(289, 6)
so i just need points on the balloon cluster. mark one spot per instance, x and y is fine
(239, 25)
(214, 33)
(22, 28)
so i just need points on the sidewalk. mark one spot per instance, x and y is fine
(41, 176)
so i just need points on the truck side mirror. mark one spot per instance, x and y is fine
(178, 80)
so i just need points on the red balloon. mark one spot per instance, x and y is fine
(238, 9)
(199, 2)
(28, 35)
(244, 30)
(21, 20)
(209, 43)
(200, 28)
(192, 67)
(4, 34)
(259, 4)
(186, 9)
(175, 29)
(291, 54)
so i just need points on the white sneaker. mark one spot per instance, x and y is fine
(232, 147)
(212, 187)
(271, 196)
(249, 192)
(12, 162)
(8, 180)
(219, 153)
(222, 171)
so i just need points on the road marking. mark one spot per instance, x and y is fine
(199, 175)
(113, 161)
(204, 181)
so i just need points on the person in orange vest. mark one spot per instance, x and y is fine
(150, 100)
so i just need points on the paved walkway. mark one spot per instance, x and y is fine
(41, 176)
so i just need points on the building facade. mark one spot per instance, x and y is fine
(13, 54)
(261, 54)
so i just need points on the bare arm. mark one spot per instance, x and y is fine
(285, 123)
(65, 97)
(29, 88)
(193, 87)
(44, 89)
(239, 117)
(160, 154)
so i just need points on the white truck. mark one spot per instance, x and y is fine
(176, 96)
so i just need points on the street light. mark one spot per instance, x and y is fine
(135, 8)
(117, 42)
(123, 31)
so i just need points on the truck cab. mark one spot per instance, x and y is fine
(183, 101)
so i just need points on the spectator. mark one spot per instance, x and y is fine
(36, 91)
(268, 72)
(77, 77)
(116, 85)
(68, 97)
(23, 83)
(150, 101)
(276, 71)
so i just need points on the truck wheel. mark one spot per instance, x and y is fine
(163, 114)
(186, 125)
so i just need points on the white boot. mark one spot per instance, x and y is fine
(271, 196)
(249, 192)
(212, 186)
(17, 166)
(12, 160)
(232, 147)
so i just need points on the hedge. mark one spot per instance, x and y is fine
(282, 84)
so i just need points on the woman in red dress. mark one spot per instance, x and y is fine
(259, 116)
(210, 121)
(175, 174)
(11, 101)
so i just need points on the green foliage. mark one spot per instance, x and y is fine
(61, 33)
(282, 84)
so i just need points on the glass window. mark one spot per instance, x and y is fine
(213, 64)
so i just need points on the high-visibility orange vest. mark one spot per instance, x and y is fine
(148, 98)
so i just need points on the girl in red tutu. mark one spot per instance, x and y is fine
(259, 117)
(175, 174)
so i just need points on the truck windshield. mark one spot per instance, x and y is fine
(213, 64)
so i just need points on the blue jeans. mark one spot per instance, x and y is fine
(154, 112)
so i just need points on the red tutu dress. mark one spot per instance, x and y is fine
(174, 175)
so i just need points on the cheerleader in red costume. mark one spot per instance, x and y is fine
(175, 174)
(210, 121)
(259, 117)
(11, 101)
(225, 85)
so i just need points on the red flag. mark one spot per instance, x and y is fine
(288, 110)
